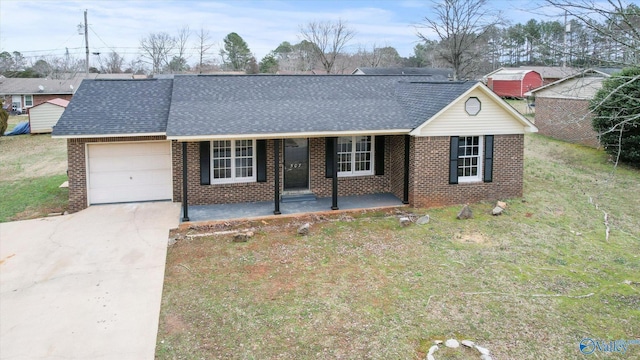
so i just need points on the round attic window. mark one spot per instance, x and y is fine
(472, 106)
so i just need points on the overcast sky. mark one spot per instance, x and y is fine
(47, 27)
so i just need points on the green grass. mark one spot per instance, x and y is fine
(32, 198)
(31, 169)
(371, 289)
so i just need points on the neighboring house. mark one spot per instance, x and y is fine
(436, 74)
(551, 73)
(513, 83)
(562, 107)
(43, 117)
(25, 93)
(231, 139)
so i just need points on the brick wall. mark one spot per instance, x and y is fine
(429, 183)
(566, 119)
(264, 191)
(77, 169)
(219, 193)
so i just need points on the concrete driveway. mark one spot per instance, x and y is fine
(86, 285)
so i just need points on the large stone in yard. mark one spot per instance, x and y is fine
(497, 211)
(465, 213)
(423, 220)
(452, 343)
(404, 221)
(242, 237)
(304, 229)
(502, 204)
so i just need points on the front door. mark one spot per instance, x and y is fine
(296, 164)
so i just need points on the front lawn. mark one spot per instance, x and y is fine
(530, 284)
(31, 169)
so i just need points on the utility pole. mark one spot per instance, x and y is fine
(86, 42)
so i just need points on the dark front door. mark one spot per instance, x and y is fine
(296, 164)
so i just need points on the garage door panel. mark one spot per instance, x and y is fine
(130, 178)
(140, 162)
(126, 172)
(116, 150)
(114, 194)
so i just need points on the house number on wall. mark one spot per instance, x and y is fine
(472, 106)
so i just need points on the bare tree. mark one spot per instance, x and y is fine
(328, 38)
(204, 45)
(112, 64)
(386, 56)
(157, 49)
(182, 40)
(459, 24)
(616, 23)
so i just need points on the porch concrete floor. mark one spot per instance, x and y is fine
(265, 208)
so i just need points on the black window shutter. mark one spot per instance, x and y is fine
(205, 162)
(328, 157)
(488, 158)
(261, 160)
(379, 154)
(453, 161)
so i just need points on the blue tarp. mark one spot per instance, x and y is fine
(21, 128)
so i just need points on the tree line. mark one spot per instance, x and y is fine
(465, 35)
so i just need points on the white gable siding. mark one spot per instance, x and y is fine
(492, 119)
(43, 117)
(580, 88)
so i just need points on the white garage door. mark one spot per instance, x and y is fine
(126, 172)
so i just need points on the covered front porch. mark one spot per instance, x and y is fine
(247, 210)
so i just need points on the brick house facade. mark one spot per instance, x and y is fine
(466, 148)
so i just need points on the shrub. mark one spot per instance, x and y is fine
(616, 110)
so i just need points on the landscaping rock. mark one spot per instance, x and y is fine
(497, 211)
(172, 240)
(423, 220)
(452, 343)
(486, 357)
(405, 221)
(468, 343)
(465, 213)
(241, 237)
(432, 349)
(430, 357)
(438, 342)
(304, 229)
(482, 350)
(502, 204)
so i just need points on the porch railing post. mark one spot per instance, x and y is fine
(407, 150)
(276, 173)
(334, 175)
(185, 201)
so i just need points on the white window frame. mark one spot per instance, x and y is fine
(353, 172)
(234, 179)
(480, 156)
(25, 101)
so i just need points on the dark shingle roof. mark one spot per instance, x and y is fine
(436, 74)
(227, 105)
(422, 100)
(109, 107)
(205, 106)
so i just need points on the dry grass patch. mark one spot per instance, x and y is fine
(529, 284)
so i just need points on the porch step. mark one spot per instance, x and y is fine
(298, 197)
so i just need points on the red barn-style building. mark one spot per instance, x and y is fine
(514, 83)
